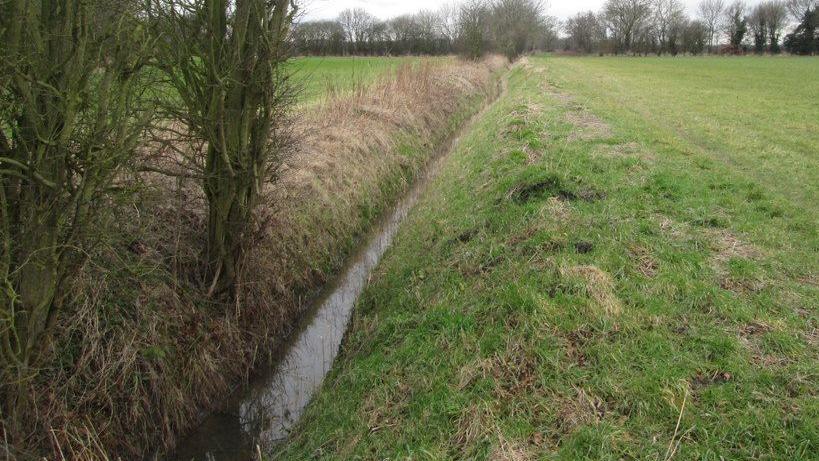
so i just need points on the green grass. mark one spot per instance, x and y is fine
(316, 76)
(619, 261)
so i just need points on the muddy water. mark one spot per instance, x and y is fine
(261, 414)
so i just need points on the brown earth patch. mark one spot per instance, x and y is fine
(381, 409)
(725, 245)
(575, 342)
(533, 155)
(728, 245)
(525, 116)
(477, 423)
(514, 371)
(754, 328)
(750, 336)
(551, 91)
(676, 230)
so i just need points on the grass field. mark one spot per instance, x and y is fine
(317, 76)
(618, 262)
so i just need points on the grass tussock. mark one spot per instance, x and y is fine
(599, 286)
(141, 351)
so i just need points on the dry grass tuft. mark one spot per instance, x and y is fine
(513, 371)
(582, 410)
(510, 450)
(599, 287)
(556, 209)
(676, 230)
(728, 245)
(587, 126)
(475, 423)
(627, 150)
(643, 260)
(141, 352)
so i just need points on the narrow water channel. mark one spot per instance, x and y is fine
(261, 414)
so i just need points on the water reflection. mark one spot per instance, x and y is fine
(264, 412)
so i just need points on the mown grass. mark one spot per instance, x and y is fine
(316, 77)
(612, 265)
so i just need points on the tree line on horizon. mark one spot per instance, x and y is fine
(474, 28)
(664, 27)
(513, 27)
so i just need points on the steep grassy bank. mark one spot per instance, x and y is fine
(587, 279)
(140, 351)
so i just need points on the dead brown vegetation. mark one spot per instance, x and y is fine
(141, 350)
(599, 286)
(587, 126)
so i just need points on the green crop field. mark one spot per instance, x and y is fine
(316, 76)
(619, 261)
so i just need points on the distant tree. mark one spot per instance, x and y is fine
(736, 25)
(378, 38)
(356, 22)
(676, 35)
(776, 14)
(696, 37)
(758, 26)
(319, 38)
(805, 39)
(798, 8)
(710, 11)
(516, 25)
(585, 31)
(546, 39)
(447, 22)
(645, 40)
(405, 34)
(666, 23)
(473, 28)
(427, 41)
(627, 20)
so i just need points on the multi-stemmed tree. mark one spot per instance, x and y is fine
(70, 118)
(224, 60)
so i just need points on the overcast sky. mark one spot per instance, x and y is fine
(385, 9)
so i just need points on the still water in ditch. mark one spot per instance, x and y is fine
(262, 413)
